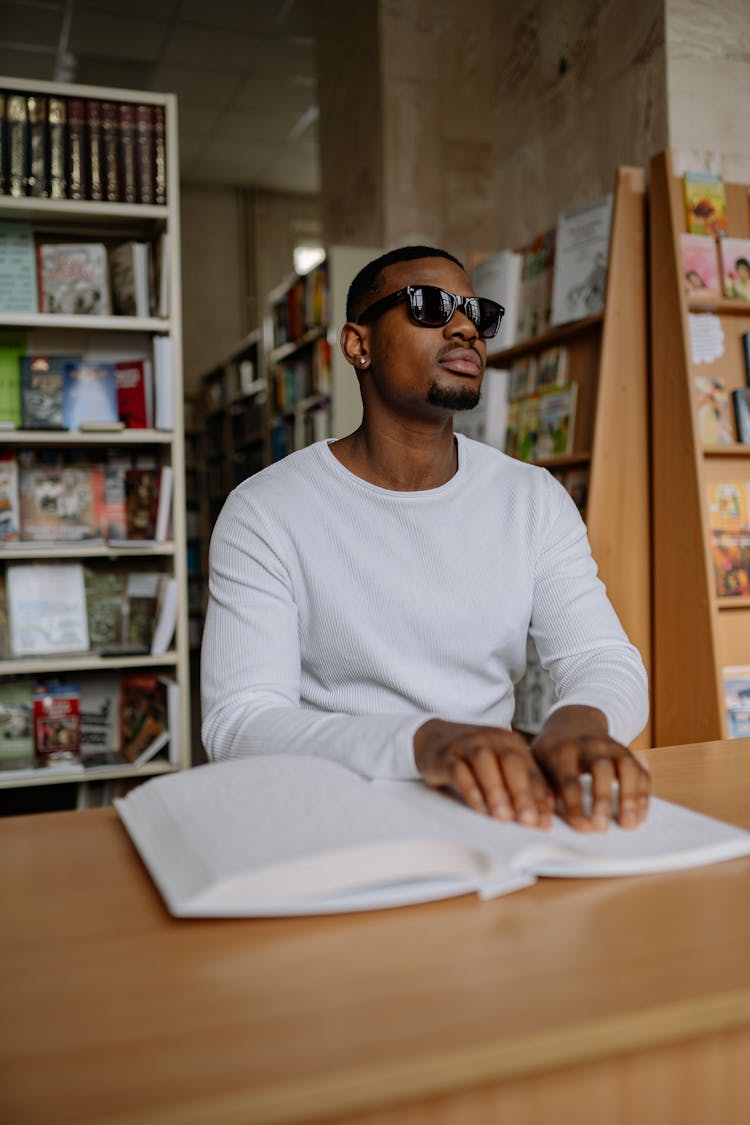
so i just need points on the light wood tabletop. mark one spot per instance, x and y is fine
(626, 998)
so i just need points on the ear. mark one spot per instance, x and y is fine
(354, 341)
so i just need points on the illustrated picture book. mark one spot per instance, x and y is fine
(735, 267)
(713, 405)
(535, 290)
(294, 834)
(73, 278)
(700, 265)
(46, 608)
(736, 681)
(729, 521)
(581, 260)
(705, 204)
(89, 395)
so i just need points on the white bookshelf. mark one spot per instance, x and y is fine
(104, 337)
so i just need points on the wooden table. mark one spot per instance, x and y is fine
(616, 1001)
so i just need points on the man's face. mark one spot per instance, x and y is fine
(424, 372)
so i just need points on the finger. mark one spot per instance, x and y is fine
(603, 775)
(563, 771)
(465, 783)
(490, 779)
(635, 786)
(517, 767)
(543, 796)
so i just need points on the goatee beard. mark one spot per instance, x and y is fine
(465, 397)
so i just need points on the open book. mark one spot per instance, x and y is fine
(295, 834)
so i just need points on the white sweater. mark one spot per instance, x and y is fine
(342, 615)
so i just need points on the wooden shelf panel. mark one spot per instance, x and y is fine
(719, 305)
(16, 779)
(55, 551)
(88, 437)
(548, 339)
(735, 450)
(733, 603)
(82, 662)
(90, 323)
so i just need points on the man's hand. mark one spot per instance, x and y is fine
(575, 741)
(492, 770)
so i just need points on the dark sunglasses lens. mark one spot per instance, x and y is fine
(431, 306)
(489, 317)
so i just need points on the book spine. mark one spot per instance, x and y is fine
(741, 402)
(111, 152)
(37, 182)
(144, 154)
(57, 129)
(746, 355)
(77, 162)
(126, 146)
(95, 150)
(160, 155)
(17, 144)
(3, 143)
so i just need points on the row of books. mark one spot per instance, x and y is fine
(47, 498)
(559, 276)
(82, 278)
(540, 426)
(723, 415)
(303, 375)
(66, 607)
(729, 523)
(715, 267)
(82, 148)
(101, 719)
(69, 392)
(301, 307)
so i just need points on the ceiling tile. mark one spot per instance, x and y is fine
(196, 86)
(153, 9)
(115, 36)
(255, 91)
(209, 48)
(26, 64)
(32, 26)
(245, 125)
(239, 15)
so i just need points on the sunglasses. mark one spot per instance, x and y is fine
(432, 307)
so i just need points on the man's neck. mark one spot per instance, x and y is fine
(405, 460)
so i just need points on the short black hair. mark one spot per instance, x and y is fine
(366, 282)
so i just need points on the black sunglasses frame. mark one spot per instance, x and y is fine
(457, 302)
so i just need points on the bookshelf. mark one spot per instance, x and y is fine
(106, 339)
(696, 632)
(608, 360)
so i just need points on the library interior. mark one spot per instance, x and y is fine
(187, 192)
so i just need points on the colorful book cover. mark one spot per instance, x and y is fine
(737, 699)
(42, 390)
(12, 347)
(705, 204)
(535, 291)
(581, 260)
(729, 505)
(57, 723)
(522, 377)
(557, 408)
(144, 718)
(73, 278)
(551, 367)
(10, 512)
(700, 265)
(60, 503)
(511, 428)
(89, 395)
(735, 267)
(100, 718)
(105, 607)
(715, 424)
(46, 608)
(135, 393)
(16, 725)
(729, 520)
(529, 418)
(18, 275)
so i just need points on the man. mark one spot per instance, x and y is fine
(370, 598)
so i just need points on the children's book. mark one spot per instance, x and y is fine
(18, 278)
(294, 834)
(551, 367)
(135, 393)
(73, 278)
(100, 718)
(705, 204)
(149, 716)
(715, 425)
(529, 422)
(12, 347)
(535, 292)
(581, 260)
(729, 521)
(16, 725)
(700, 265)
(737, 700)
(60, 503)
(735, 267)
(522, 377)
(57, 723)
(46, 608)
(557, 412)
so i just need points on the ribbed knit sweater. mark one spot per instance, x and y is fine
(342, 616)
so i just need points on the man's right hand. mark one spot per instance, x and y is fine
(492, 770)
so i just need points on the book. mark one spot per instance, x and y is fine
(736, 681)
(729, 522)
(42, 390)
(286, 834)
(89, 394)
(160, 154)
(734, 254)
(17, 143)
(581, 260)
(106, 608)
(551, 368)
(729, 505)
(705, 203)
(46, 608)
(522, 377)
(18, 271)
(12, 347)
(163, 383)
(110, 152)
(741, 404)
(16, 725)
(78, 160)
(95, 149)
(99, 706)
(126, 151)
(144, 153)
(529, 421)
(135, 393)
(144, 715)
(73, 278)
(535, 291)
(165, 620)
(10, 510)
(37, 180)
(499, 278)
(159, 259)
(129, 276)
(557, 407)
(575, 481)
(148, 503)
(59, 503)
(142, 592)
(57, 723)
(700, 265)
(714, 414)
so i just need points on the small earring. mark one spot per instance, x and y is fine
(363, 359)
